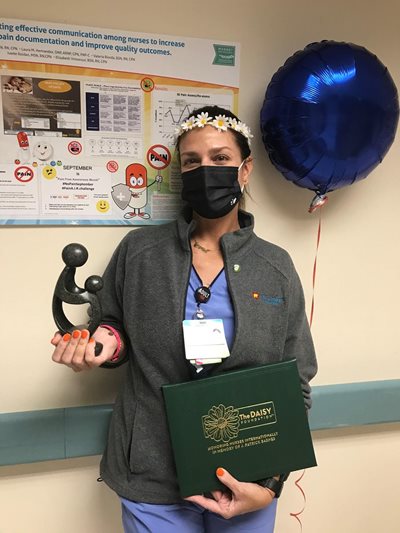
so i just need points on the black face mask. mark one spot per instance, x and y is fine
(212, 191)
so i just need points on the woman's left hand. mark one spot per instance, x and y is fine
(240, 499)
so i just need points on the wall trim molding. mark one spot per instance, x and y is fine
(64, 433)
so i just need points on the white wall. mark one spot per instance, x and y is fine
(354, 490)
(356, 320)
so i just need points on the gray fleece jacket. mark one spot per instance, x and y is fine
(144, 296)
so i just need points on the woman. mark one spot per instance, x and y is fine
(207, 263)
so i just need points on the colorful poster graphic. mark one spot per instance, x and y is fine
(48, 107)
(86, 137)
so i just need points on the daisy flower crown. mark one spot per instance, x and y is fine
(220, 122)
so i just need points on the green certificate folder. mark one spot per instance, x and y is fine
(251, 422)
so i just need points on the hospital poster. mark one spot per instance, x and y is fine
(88, 115)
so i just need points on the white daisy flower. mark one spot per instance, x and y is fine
(178, 131)
(245, 130)
(188, 124)
(202, 120)
(234, 124)
(221, 123)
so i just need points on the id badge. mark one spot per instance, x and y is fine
(205, 340)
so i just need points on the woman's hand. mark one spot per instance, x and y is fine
(240, 499)
(77, 350)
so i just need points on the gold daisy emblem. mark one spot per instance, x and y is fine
(221, 423)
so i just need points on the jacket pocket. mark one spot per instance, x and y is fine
(150, 451)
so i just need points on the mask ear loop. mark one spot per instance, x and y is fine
(239, 167)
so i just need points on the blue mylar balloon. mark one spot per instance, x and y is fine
(329, 116)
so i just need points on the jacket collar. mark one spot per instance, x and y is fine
(231, 242)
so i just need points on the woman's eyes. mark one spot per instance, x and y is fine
(190, 162)
(196, 162)
(220, 158)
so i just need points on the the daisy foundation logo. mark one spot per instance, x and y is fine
(230, 426)
(222, 423)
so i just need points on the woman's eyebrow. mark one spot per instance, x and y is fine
(220, 148)
(189, 153)
(211, 151)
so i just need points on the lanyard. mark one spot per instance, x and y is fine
(202, 295)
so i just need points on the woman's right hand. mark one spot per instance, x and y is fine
(77, 350)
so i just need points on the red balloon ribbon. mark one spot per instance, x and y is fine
(296, 515)
(297, 482)
(315, 268)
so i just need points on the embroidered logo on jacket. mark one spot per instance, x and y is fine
(270, 300)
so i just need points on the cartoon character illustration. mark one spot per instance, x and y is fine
(75, 148)
(134, 192)
(23, 152)
(43, 151)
